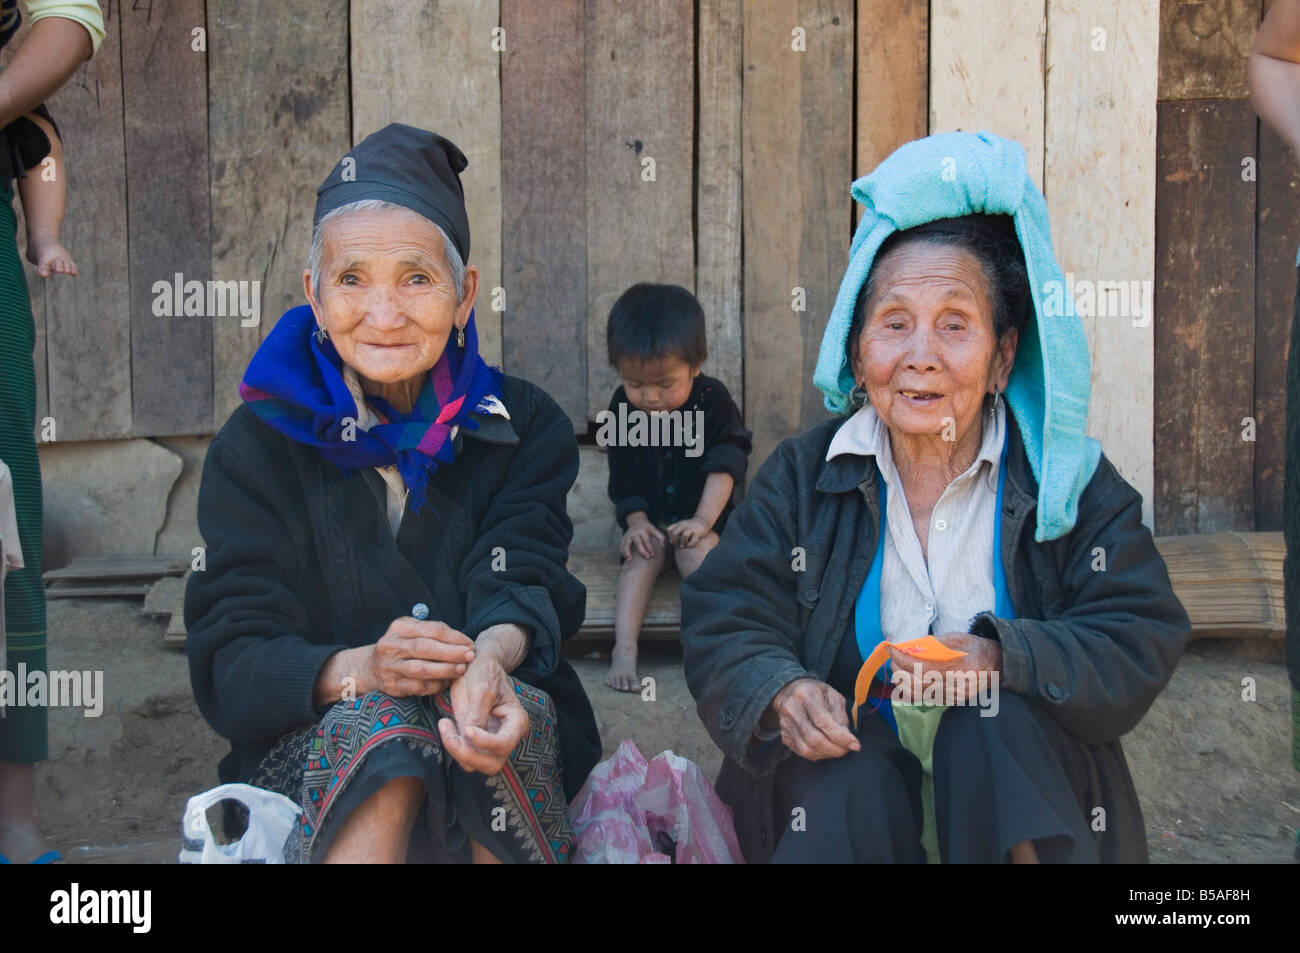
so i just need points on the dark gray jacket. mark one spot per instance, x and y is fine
(1094, 648)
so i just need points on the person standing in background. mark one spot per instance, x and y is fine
(64, 34)
(1274, 77)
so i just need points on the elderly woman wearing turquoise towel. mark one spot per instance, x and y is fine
(995, 560)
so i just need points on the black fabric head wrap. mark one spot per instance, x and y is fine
(988, 228)
(411, 167)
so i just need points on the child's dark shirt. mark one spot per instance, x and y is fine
(665, 482)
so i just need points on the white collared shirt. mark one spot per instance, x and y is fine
(367, 418)
(916, 599)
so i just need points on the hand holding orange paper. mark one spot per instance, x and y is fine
(927, 647)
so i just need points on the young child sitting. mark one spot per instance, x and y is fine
(675, 498)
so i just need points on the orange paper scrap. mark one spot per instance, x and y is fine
(927, 647)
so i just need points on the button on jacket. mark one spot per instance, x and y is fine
(1093, 649)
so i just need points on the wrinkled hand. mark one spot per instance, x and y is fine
(417, 657)
(643, 538)
(982, 655)
(686, 533)
(489, 720)
(814, 723)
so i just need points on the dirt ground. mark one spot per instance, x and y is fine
(1212, 769)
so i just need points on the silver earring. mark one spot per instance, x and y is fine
(321, 334)
(460, 337)
(858, 396)
(993, 405)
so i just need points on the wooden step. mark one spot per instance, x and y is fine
(599, 569)
(101, 568)
(1229, 583)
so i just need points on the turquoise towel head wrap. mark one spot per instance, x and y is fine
(960, 173)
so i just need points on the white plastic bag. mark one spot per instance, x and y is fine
(271, 818)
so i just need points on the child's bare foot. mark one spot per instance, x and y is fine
(50, 257)
(622, 670)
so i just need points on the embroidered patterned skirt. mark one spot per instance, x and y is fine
(332, 767)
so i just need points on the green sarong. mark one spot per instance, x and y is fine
(22, 729)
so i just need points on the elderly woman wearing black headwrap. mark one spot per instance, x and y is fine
(934, 516)
(377, 629)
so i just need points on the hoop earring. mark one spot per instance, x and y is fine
(858, 396)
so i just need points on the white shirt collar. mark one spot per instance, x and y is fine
(865, 434)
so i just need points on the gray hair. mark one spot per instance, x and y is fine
(449, 252)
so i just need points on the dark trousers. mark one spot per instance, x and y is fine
(998, 781)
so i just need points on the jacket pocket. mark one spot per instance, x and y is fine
(808, 582)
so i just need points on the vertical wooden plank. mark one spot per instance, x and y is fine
(640, 106)
(717, 190)
(35, 284)
(431, 64)
(798, 163)
(87, 319)
(986, 71)
(278, 121)
(1205, 335)
(893, 78)
(1277, 236)
(1204, 46)
(543, 184)
(164, 90)
(1100, 145)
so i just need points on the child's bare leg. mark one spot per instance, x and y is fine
(635, 583)
(689, 558)
(44, 194)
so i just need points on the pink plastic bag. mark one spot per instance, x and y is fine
(627, 806)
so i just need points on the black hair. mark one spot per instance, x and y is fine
(650, 322)
(1003, 265)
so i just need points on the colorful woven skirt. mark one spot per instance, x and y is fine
(22, 730)
(332, 767)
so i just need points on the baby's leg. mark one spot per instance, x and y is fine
(689, 559)
(45, 198)
(635, 583)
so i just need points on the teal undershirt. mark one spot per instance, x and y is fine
(916, 725)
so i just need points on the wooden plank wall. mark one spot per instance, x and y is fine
(718, 189)
(88, 318)
(1100, 158)
(640, 133)
(456, 93)
(165, 97)
(1227, 227)
(544, 185)
(757, 114)
(986, 71)
(797, 216)
(268, 154)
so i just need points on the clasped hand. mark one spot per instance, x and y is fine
(417, 657)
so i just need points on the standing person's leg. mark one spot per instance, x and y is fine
(23, 729)
(635, 583)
